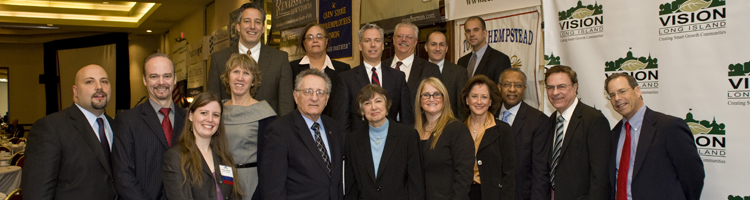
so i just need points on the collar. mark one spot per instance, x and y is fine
(310, 122)
(328, 64)
(369, 67)
(243, 49)
(440, 65)
(568, 113)
(513, 110)
(382, 129)
(157, 107)
(637, 120)
(406, 62)
(90, 117)
(481, 51)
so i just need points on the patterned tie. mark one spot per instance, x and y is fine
(375, 79)
(556, 148)
(398, 65)
(472, 64)
(506, 115)
(622, 171)
(103, 140)
(321, 146)
(166, 125)
(249, 53)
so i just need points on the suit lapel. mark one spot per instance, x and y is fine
(305, 134)
(152, 120)
(362, 76)
(518, 121)
(572, 126)
(363, 140)
(392, 140)
(264, 59)
(648, 131)
(179, 123)
(415, 73)
(390, 85)
(483, 63)
(83, 127)
(490, 135)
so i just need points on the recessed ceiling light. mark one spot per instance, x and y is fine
(50, 24)
(105, 2)
(148, 31)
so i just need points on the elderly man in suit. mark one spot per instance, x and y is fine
(371, 71)
(68, 152)
(416, 69)
(303, 151)
(145, 132)
(274, 64)
(579, 144)
(531, 128)
(653, 154)
(483, 59)
(453, 76)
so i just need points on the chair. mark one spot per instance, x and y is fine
(15, 195)
(4, 148)
(16, 156)
(20, 161)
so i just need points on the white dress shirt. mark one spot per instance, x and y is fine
(405, 66)
(254, 52)
(368, 69)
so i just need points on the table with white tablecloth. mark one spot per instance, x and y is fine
(10, 178)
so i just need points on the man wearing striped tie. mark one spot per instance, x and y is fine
(653, 154)
(579, 145)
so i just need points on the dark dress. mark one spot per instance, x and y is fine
(449, 167)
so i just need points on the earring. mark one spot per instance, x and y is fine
(363, 118)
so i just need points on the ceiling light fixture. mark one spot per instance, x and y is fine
(148, 31)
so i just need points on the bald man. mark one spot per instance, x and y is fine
(68, 152)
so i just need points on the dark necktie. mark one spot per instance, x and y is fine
(103, 140)
(622, 171)
(249, 53)
(556, 148)
(398, 65)
(375, 79)
(321, 146)
(472, 64)
(166, 125)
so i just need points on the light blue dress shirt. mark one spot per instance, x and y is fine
(479, 53)
(322, 130)
(636, 122)
(92, 121)
(377, 149)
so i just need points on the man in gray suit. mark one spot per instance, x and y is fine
(276, 87)
(405, 40)
(453, 76)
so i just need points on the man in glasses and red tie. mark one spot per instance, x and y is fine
(653, 154)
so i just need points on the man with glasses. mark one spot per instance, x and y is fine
(371, 72)
(653, 154)
(303, 151)
(531, 129)
(483, 59)
(405, 39)
(579, 145)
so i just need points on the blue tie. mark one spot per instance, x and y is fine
(506, 115)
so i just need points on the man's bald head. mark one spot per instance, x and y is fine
(92, 89)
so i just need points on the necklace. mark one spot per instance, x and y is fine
(377, 140)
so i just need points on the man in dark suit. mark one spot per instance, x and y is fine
(68, 152)
(416, 69)
(531, 128)
(303, 150)
(483, 59)
(453, 76)
(371, 71)
(579, 145)
(274, 64)
(653, 154)
(145, 132)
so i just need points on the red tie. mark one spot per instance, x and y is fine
(398, 65)
(622, 171)
(166, 125)
(375, 79)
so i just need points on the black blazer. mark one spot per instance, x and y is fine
(140, 141)
(338, 68)
(350, 82)
(531, 128)
(449, 167)
(276, 86)
(206, 189)
(400, 168)
(492, 64)
(455, 77)
(420, 69)
(667, 165)
(496, 159)
(65, 160)
(291, 167)
(584, 156)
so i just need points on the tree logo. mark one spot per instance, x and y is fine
(688, 6)
(709, 137)
(644, 69)
(739, 69)
(551, 59)
(738, 76)
(580, 11)
(586, 20)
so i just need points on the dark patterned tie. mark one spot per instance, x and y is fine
(103, 140)
(556, 148)
(398, 65)
(166, 125)
(321, 146)
(375, 79)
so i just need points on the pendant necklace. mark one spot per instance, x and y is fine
(377, 140)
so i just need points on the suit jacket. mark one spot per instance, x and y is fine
(584, 155)
(350, 82)
(206, 189)
(65, 160)
(492, 64)
(496, 160)
(667, 165)
(420, 69)
(276, 83)
(449, 167)
(338, 68)
(291, 166)
(455, 77)
(140, 141)
(400, 169)
(531, 128)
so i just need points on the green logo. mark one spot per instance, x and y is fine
(738, 197)
(630, 63)
(581, 11)
(551, 59)
(738, 69)
(703, 126)
(677, 6)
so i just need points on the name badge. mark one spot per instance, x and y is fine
(226, 174)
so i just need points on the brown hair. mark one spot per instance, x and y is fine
(301, 45)
(491, 86)
(368, 92)
(191, 163)
(631, 81)
(245, 62)
(561, 69)
(445, 117)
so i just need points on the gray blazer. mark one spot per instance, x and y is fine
(173, 179)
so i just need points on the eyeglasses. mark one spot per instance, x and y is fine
(620, 92)
(517, 85)
(402, 36)
(311, 37)
(559, 87)
(436, 95)
(309, 92)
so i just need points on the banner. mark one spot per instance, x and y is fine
(196, 71)
(336, 17)
(690, 60)
(516, 34)
(458, 9)
(219, 40)
(290, 43)
(293, 13)
(376, 10)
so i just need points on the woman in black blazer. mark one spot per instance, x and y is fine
(314, 43)
(495, 166)
(384, 160)
(200, 166)
(447, 149)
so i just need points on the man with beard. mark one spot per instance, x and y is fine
(274, 64)
(453, 76)
(483, 59)
(145, 132)
(68, 152)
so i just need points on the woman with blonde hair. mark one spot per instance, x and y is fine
(447, 149)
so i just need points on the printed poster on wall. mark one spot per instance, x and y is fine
(336, 17)
(290, 43)
(196, 71)
(293, 13)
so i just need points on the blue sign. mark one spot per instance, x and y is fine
(336, 17)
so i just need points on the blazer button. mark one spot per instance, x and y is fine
(500, 185)
(479, 162)
(378, 189)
